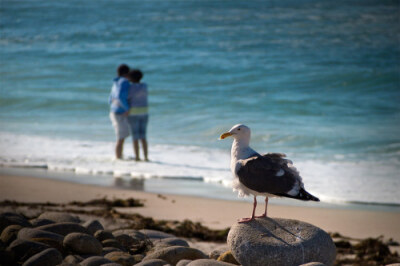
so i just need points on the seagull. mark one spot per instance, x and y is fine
(269, 175)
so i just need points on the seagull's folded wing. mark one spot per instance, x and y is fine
(268, 174)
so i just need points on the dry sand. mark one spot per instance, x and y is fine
(216, 214)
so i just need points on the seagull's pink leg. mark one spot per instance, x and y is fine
(245, 220)
(265, 213)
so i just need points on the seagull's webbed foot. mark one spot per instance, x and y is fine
(246, 220)
(262, 216)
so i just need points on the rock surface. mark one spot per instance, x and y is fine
(22, 249)
(153, 262)
(9, 233)
(47, 257)
(272, 240)
(93, 226)
(154, 234)
(174, 254)
(82, 244)
(121, 257)
(170, 241)
(94, 261)
(63, 228)
(209, 262)
(102, 235)
(9, 218)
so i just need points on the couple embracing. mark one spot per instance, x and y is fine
(129, 110)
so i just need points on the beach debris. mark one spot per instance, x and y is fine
(271, 240)
(59, 217)
(369, 251)
(268, 175)
(129, 202)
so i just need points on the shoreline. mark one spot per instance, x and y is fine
(213, 213)
(185, 187)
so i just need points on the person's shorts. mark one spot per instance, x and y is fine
(138, 125)
(120, 124)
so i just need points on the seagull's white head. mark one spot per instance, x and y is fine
(238, 132)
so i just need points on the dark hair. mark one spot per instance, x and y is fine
(135, 75)
(123, 70)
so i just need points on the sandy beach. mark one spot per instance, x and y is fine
(215, 214)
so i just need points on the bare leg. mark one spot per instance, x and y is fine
(136, 149)
(119, 148)
(245, 220)
(266, 206)
(144, 146)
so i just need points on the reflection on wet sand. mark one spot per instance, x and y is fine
(131, 183)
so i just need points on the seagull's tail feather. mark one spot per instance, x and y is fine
(302, 195)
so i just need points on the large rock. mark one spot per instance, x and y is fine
(176, 253)
(9, 218)
(280, 242)
(48, 257)
(59, 217)
(82, 244)
(63, 228)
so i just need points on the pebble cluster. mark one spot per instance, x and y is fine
(55, 238)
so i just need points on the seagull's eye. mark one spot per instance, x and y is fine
(238, 128)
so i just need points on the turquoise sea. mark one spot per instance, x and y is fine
(317, 80)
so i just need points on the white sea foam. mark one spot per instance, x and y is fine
(331, 181)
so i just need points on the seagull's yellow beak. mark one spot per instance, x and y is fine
(225, 135)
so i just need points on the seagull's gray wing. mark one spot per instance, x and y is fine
(272, 173)
(267, 174)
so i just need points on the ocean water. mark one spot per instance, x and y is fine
(317, 80)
